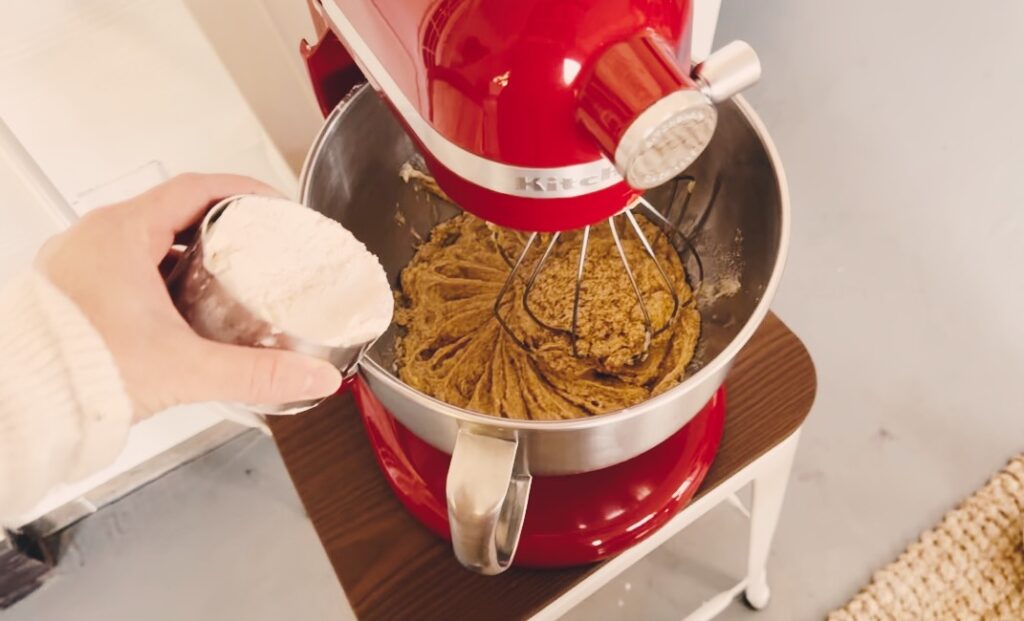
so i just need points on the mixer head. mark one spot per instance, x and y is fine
(543, 116)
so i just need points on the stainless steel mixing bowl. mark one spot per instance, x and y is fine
(740, 211)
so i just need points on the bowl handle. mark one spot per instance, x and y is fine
(487, 491)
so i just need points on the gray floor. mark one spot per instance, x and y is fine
(222, 538)
(900, 124)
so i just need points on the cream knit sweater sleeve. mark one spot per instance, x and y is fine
(64, 412)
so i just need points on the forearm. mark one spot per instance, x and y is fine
(64, 412)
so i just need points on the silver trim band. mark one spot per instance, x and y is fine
(558, 182)
(678, 127)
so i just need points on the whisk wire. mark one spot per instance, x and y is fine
(648, 325)
(579, 285)
(688, 249)
(676, 208)
(508, 285)
(532, 280)
(661, 271)
(669, 224)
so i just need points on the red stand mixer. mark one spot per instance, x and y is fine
(546, 116)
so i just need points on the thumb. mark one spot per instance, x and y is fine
(259, 376)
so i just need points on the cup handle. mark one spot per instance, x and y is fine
(487, 493)
(169, 264)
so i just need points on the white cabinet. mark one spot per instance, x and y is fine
(109, 97)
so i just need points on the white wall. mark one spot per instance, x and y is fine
(109, 97)
(258, 42)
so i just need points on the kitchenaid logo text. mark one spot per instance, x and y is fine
(545, 184)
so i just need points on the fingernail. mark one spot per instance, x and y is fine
(324, 380)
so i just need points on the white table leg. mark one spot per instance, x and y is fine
(769, 490)
(769, 473)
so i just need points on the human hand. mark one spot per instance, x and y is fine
(107, 263)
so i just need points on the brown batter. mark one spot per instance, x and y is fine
(454, 349)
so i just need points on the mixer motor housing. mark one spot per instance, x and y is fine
(538, 115)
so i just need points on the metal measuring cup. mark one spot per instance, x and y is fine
(214, 313)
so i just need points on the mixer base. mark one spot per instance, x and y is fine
(570, 520)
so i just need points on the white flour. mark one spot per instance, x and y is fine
(299, 271)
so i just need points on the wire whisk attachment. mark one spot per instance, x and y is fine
(597, 263)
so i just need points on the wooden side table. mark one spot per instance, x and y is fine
(391, 567)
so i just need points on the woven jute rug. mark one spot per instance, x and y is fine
(970, 566)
